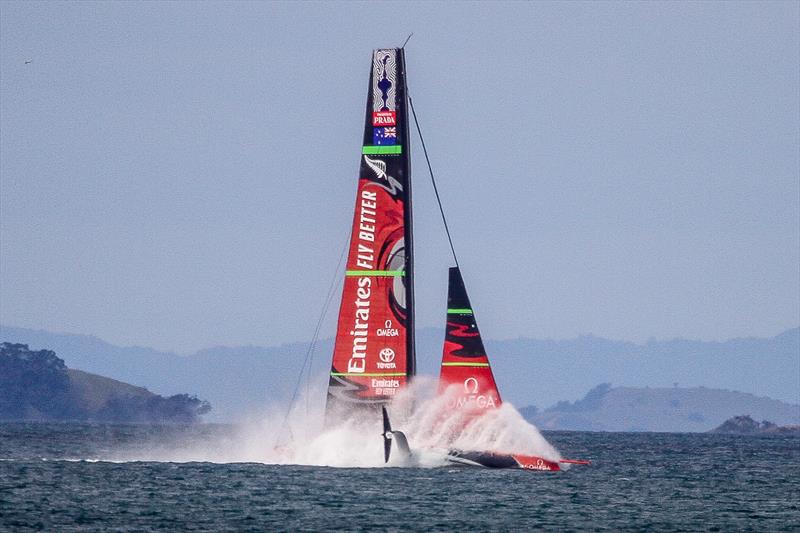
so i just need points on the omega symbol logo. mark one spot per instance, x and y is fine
(386, 355)
(471, 386)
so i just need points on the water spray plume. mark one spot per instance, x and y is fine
(428, 419)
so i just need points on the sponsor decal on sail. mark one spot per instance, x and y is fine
(387, 387)
(386, 359)
(388, 330)
(366, 230)
(357, 362)
(384, 118)
(472, 397)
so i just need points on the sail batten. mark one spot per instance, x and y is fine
(373, 354)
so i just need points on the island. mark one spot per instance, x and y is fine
(664, 409)
(745, 425)
(38, 386)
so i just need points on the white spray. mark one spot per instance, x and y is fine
(430, 425)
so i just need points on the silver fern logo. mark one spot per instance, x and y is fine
(379, 168)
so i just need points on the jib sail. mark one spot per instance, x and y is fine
(466, 377)
(373, 355)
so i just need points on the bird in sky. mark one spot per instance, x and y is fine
(28, 61)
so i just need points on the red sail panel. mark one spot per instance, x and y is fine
(466, 377)
(373, 354)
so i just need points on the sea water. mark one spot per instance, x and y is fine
(81, 477)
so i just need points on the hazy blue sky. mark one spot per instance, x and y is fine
(183, 175)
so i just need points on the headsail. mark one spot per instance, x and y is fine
(374, 351)
(466, 376)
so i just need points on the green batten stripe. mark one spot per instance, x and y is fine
(382, 150)
(459, 311)
(375, 273)
(466, 364)
(367, 375)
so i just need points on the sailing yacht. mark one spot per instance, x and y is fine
(374, 356)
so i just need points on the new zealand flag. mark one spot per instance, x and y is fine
(384, 136)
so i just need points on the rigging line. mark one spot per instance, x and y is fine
(314, 339)
(407, 39)
(328, 299)
(433, 180)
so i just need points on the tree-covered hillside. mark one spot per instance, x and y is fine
(37, 385)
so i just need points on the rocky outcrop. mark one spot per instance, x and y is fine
(745, 425)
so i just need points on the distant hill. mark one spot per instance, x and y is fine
(239, 380)
(675, 409)
(236, 381)
(543, 372)
(38, 386)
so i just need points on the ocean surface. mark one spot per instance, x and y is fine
(80, 477)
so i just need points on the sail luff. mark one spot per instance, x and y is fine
(411, 352)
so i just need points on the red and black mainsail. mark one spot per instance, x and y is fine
(373, 356)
